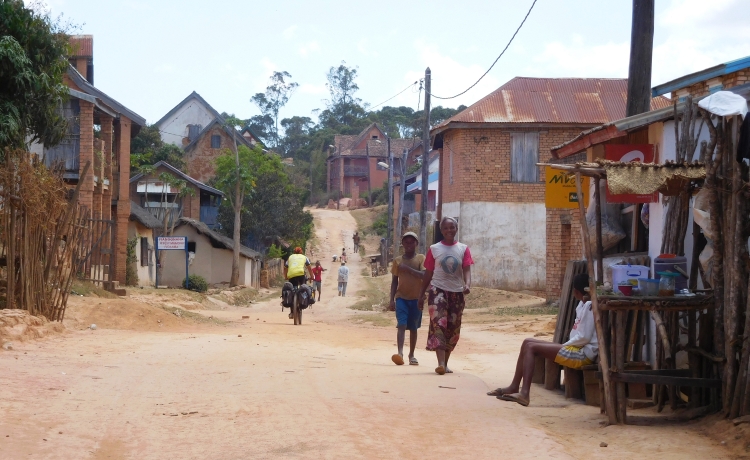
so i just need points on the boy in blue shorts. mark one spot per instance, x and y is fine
(406, 283)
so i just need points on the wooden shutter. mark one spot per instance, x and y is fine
(144, 252)
(524, 154)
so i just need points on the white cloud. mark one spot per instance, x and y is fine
(290, 32)
(363, 47)
(309, 48)
(690, 35)
(448, 78)
(309, 88)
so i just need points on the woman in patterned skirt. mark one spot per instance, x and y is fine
(446, 280)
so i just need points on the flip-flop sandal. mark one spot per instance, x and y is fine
(413, 361)
(515, 397)
(496, 392)
(397, 359)
(440, 370)
(448, 371)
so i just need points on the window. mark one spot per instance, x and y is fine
(216, 141)
(191, 246)
(144, 252)
(193, 131)
(524, 155)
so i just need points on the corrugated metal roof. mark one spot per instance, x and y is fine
(81, 46)
(552, 100)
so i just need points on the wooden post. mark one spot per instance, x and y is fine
(641, 49)
(620, 321)
(599, 247)
(603, 347)
(423, 245)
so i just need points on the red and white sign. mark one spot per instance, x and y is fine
(165, 243)
(643, 153)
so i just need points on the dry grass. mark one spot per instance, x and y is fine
(380, 319)
(239, 298)
(88, 289)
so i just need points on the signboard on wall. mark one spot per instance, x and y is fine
(166, 243)
(560, 190)
(643, 153)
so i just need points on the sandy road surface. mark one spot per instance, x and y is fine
(326, 389)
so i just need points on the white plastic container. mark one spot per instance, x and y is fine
(624, 273)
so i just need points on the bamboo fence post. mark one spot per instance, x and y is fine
(603, 347)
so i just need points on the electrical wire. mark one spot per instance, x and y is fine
(493, 64)
(392, 97)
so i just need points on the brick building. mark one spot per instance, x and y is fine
(201, 204)
(354, 160)
(104, 188)
(489, 179)
(202, 133)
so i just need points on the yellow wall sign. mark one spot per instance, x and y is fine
(560, 191)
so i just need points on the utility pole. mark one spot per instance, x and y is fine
(402, 185)
(425, 163)
(641, 50)
(390, 198)
(369, 189)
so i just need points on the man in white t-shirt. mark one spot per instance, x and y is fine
(343, 278)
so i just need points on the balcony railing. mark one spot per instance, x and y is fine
(355, 170)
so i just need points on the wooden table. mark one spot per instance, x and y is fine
(623, 315)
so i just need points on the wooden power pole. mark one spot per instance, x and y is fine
(641, 50)
(425, 163)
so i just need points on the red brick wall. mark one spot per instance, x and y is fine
(122, 214)
(201, 158)
(481, 164)
(728, 81)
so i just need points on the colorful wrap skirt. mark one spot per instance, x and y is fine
(446, 309)
(572, 357)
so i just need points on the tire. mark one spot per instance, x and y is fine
(295, 311)
(299, 316)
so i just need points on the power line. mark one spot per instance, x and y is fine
(392, 97)
(498, 58)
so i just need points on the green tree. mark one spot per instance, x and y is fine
(32, 64)
(147, 149)
(275, 208)
(276, 96)
(343, 108)
(236, 173)
(296, 136)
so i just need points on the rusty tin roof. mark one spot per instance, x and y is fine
(81, 45)
(551, 100)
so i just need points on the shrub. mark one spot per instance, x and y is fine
(131, 259)
(197, 283)
(380, 225)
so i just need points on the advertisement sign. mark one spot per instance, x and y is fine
(166, 243)
(625, 153)
(560, 190)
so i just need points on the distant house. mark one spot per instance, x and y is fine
(99, 131)
(202, 133)
(354, 160)
(149, 192)
(144, 227)
(212, 258)
(489, 178)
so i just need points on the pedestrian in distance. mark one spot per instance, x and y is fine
(447, 279)
(317, 272)
(580, 350)
(406, 282)
(355, 239)
(343, 255)
(343, 278)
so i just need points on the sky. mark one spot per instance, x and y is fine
(149, 55)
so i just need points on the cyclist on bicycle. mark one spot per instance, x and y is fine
(295, 267)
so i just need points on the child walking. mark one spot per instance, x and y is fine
(406, 282)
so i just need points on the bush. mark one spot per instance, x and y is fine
(380, 225)
(197, 283)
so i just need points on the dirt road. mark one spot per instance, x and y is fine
(263, 388)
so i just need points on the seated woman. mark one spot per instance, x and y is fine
(582, 348)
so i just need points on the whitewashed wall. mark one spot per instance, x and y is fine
(174, 129)
(507, 241)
